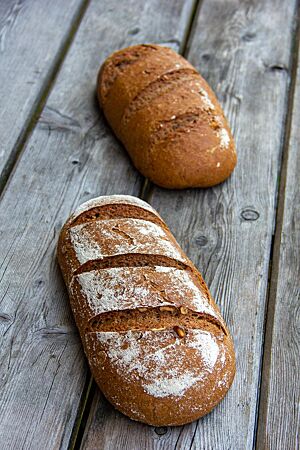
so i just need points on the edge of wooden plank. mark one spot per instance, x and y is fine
(183, 48)
(262, 406)
(42, 96)
(84, 407)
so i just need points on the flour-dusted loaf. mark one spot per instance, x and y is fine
(154, 338)
(167, 117)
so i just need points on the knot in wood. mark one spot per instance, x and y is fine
(249, 214)
(201, 241)
(160, 431)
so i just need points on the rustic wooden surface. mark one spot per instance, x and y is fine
(33, 36)
(244, 50)
(279, 419)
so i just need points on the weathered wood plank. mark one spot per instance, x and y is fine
(227, 230)
(32, 36)
(279, 419)
(70, 157)
(249, 66)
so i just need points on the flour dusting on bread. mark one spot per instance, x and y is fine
(121, 288)
(96, 240)
(224, 138)
(205, 99)
(158, 359)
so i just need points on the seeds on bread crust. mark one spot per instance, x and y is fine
(179, 331)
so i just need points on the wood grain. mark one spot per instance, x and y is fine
(250, 73)
(279, 419)
(71, 156)
(227, 231)
(33, 35)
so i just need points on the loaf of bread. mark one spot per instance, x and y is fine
(167, 117)
(155, 340)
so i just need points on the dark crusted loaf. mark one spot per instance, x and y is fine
(167, 117)
(154, 338)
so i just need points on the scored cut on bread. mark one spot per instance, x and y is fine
(167, 117)
(155, 340)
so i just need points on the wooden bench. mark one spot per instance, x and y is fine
(244, 235)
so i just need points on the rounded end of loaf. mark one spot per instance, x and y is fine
(105, 200)
(194, 164)
(161, 379)
(116, 63)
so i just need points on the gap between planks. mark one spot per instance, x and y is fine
(42, 98)
(145, 194)
(263, 393)
(82, 413)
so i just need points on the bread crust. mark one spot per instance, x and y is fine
(154, 338)
(167, 117)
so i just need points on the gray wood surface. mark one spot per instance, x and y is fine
(279, 418)
(33, 34)
(227, 230)
(70, 156)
